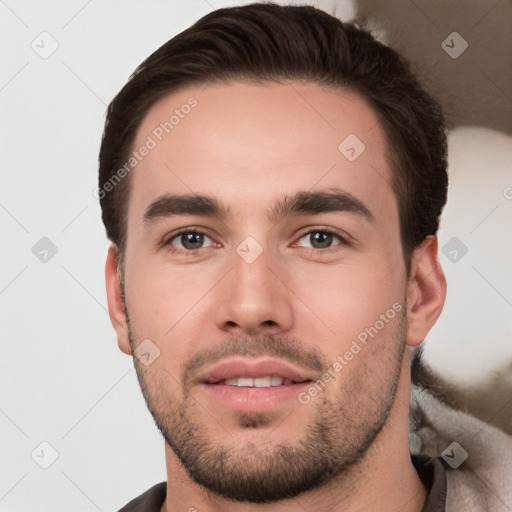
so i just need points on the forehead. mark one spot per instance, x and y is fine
(250, 143)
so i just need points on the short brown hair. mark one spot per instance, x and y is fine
(268, 42)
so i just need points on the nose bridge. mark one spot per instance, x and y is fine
(253, 299)
(251, 271)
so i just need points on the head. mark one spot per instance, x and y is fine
(271, 180)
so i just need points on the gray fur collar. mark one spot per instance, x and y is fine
(483, 482)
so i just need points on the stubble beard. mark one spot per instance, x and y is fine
(336, 439)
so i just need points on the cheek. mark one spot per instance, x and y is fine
(343, 300)
(166, 303)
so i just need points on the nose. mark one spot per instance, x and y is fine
(254, 300)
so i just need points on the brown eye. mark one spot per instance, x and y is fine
(190, 240)
(321, 239)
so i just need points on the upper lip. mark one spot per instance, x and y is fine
(240, 367)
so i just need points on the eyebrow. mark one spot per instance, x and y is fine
(300, 203)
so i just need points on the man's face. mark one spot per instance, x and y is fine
(251, 306)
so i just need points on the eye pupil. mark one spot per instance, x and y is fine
(321, 239)
(192, 240)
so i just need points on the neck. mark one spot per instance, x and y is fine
(385, 479)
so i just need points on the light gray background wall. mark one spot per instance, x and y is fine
(63, 380)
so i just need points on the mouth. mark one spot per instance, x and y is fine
(259, 373)
(245, 385)
(257, 382)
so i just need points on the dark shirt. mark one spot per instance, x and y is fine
(433, 475)
(431, 471)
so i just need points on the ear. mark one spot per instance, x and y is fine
(426, 291)
(115, 300)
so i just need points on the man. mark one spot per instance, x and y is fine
(271, 180)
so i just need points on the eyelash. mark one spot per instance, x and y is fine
(330, 231)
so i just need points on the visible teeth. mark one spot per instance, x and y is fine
(245, 382)
(258, 382)
(276, 381)
(262, 382)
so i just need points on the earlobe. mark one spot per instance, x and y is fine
(426, 291)
(116, 301)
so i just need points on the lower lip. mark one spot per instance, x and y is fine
(246, 399)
